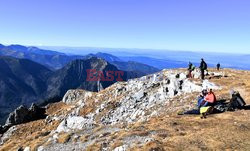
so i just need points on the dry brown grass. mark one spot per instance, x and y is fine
(64, 138)
(116, 144)
(57, 108)
(85, 110)
(84, 138)
(94, 147)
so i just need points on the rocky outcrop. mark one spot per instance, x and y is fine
(7, 134)
(74, 95)
(75, 122)
(18, 116)
(4, 128)
(36, 112)
(23, 115)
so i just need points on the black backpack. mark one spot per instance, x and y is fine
(237, 101)
(204, 65)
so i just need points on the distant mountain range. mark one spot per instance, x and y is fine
(48, 58)
(23, 81)
(157, 63)
(141, 67)
(167, 58)
(56, 60)
(105, 56)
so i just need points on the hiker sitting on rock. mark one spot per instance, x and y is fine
(201, 98)
(208, 100)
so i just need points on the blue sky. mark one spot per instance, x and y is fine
(197, 25)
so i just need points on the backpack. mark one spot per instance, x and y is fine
(204, 66)
(237, 101)
(193, 67)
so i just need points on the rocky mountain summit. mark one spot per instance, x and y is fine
(140, 114)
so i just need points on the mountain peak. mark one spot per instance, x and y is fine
(91, 60)
(18, 47)
(75, 75)
(106, 56)
(141, 110)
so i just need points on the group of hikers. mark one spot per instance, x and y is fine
(206, 101)
(203, 68)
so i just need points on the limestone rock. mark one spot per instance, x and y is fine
(23, 115)
(18, 116)
(74, 95)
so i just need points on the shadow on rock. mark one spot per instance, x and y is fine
(23, 115)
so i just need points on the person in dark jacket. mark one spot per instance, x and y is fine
(218, 66)
(203, 67)
(201, 98)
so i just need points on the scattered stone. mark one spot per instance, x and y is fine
(75, 123)
(121, 148)
(26, 149)
(40, 148)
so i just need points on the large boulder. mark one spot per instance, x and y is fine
(18, 116)
(75, 95)
(23, 115)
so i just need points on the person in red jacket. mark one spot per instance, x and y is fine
(206, 99)
(209, 99)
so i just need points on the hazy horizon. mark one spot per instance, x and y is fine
(81, 49)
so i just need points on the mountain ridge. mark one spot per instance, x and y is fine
(51, 59)
(56, 60)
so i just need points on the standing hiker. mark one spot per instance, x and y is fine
(203, 67)
(218, 66)
(191, 68)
